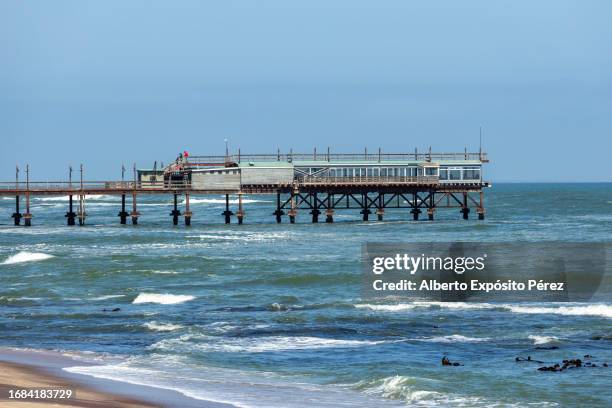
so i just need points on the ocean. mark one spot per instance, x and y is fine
(268, 315)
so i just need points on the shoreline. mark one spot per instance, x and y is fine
(24, 368)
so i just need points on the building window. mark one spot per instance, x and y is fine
(431, 171)
(454, 174)
(443, 174)
(471, 174)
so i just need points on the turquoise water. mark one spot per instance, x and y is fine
(271, 315)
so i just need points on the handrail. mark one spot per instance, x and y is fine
(329, 157)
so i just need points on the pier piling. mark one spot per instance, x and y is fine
(134, 214)
(70, 215)
(16, 215)
(175, 212)
(329, 212)
(187, 211)
(278, 213)
(292, 211)
(315, 208)
(82, 215)
(123, 214)
(465, 210)
(240, 213)
(227, 213)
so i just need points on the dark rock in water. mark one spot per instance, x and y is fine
(116, 309)
(447, 362)
(547, 347)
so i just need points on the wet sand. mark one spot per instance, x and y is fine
(41, 369)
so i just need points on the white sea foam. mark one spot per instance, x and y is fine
(235, 387)
(162, 327)
(582, 310)
(454, 338)
(258, 344)
(165, 272)
(65, 198)
(105, 297)
(25, 256)
(399, 387)
(538, 340)
(162, 298)
(222, 201)
(422, 304)
(387, 308)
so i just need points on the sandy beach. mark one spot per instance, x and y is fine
(15, 376)
(44, 369)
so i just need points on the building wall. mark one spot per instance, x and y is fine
(222, 179)
(266, 175)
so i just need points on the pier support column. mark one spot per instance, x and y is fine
(70, 215)
(227, 213)
(82, 215)
(123, 214)
(380, 211)
(315, 209)
(134, 214)
(187, 211)
(240, 213)
(27, 217)
(430, 213)
(365, 211)
(415, 209)
(465, 209)
(329, 212)
(481, 210)
(17, 215)
(293, 211)
(175, 212)
(278, 213)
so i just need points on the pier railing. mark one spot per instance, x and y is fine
(334, 157)
(315, 180)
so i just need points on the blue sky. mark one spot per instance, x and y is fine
(106, 83)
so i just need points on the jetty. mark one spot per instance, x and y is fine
(318, 183)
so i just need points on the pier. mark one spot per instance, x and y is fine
(315, 185)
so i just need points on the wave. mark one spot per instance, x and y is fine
(222, 201)
(258, 344)
(539, 340)
(230, 386)
(105, 297)
(573, 310)
(586, 310)
(25, 256)
(454, 338)
(399, 387)
(162, 327)
(65, 198)
(162, 298)
(422, 304)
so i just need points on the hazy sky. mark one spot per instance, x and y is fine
(107, 82)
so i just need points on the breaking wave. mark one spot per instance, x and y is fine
(586, 310)
(259, 344)
(162, 298)
(162, 327)
(25, 256)
(399, 387)
(539, 340)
